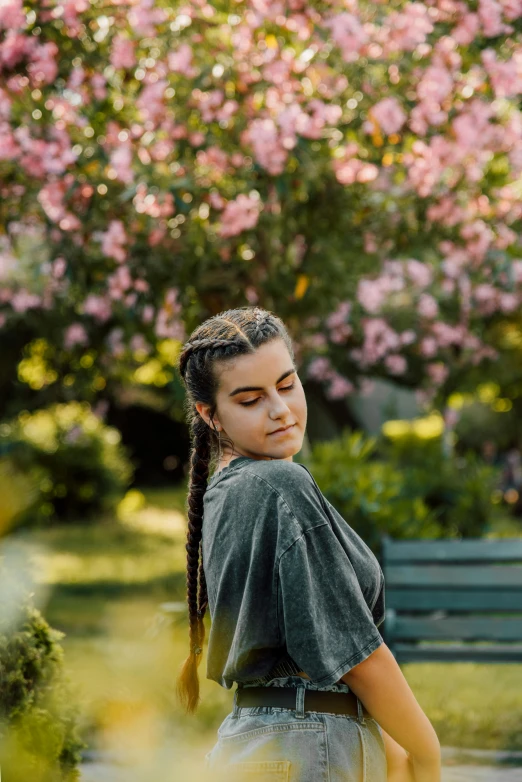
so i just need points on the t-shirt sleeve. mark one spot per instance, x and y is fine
(327, 623)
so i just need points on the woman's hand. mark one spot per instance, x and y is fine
(400, 768)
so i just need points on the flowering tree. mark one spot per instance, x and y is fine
(354, 166)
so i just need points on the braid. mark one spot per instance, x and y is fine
(197, 603)
(234, 332)
(199, 344)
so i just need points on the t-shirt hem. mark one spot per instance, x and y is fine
(352, 661)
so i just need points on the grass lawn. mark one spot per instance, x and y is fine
(106, 583)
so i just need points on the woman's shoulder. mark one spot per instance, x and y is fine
(293, 482)
(280, 473)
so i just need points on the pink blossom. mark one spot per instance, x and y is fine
(113, 240)
(12, 16)
(115, 342)
(169, 327)
(370, 243)
(213, 158)
(97, 306)
(51, 199)
(428, 347)
(490, 15)
(447, 335)
(486, 298)
(467, 29)
(505, 77)
(5, 105)
(180, 61)
(15, 47)
(22, 300)
(121, 162)
(389, 114)
(153, 204)
(341, 333)
(119, 282)
(216, 200)
(59, 267)
(407, 337)
(9, 149)
(122, 53)
(348, 34)
(419, 273)
(379, 340)
(396, 364)
(239, 215)
(509, 302)
(147, 315)
(435, 85)
(320, 369)
(75, 334)
(251, 294)
(138, 344)
(263, 135)
(427, 306)
(151, 101)
(372, 294)
(144, 17)
(349, 171)
(408, 29)
(437, 372)
(99, 88)
(43, 67)
(339, 387)
(71, 11)
(339, 316)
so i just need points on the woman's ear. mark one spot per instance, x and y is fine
(204, 412)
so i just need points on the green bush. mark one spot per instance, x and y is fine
(77, 462)
(456, 488)
(39, 738)
(369, 493)
(405, 487)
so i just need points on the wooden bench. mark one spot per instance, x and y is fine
(444, 596)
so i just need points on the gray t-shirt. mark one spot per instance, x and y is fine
(291, 586)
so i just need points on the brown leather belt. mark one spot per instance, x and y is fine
(314, 700)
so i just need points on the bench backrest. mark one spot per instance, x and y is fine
(451, 594)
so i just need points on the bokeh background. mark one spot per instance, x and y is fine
(355, 167)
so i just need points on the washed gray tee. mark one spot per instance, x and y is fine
(291, 586)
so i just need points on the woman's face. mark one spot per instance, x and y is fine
(274, 399)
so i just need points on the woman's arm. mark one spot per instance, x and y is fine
(398, 763)
(380, 684)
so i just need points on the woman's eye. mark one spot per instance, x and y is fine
(247, 404)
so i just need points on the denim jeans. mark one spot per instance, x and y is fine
(269, 743)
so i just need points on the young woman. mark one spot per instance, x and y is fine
(295, 595)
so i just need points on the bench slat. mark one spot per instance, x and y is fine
(461, 628)
(450, 599)
(470, 549)
(490, 576)
(481, 654)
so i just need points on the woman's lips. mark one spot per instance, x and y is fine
(283, 431)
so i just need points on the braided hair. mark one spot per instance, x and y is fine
(228, 334)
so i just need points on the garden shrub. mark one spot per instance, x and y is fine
(368, 492)
(406, 488)
(77, 462)
(39, 738)
(457, 488)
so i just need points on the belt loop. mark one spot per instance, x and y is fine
(235, 710)
(299, 701)
(360, 713)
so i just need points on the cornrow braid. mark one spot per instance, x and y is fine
(233, 332)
